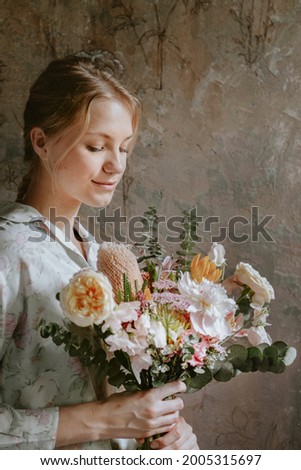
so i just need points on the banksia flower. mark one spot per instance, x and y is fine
(203, 268)
(115, 261)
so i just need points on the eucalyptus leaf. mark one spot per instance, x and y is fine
(277, 368)
(247, 366)
(200, 380)
(225, 373)
(281, 346)
(272, 354)
(256, 355)
(237, 355)
(264, 366)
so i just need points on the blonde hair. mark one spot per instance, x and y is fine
(61, 97)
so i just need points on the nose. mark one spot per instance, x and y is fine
(116, 162)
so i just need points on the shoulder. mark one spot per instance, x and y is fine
(17, 233)
(17, 221)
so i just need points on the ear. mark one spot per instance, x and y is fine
(38, 140)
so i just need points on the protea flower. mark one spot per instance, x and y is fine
(115, 260)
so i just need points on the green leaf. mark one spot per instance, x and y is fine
(123, 359)
(281, 346)
(247, 366)
(114, 367)
(100, 357)
(277, 368)
(158, 383)
(131, 386)
(117, 380)
(263, 366)
(272, 354)
(225, 373)
(244, 307)
(256, 355)
(237, 355)
(200, 380)
(58, 296)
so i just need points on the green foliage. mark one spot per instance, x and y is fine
(83, 349)
(263, 358)
(151, 246)
(127, 289)
(189, 237)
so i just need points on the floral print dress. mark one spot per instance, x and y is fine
(36, 376)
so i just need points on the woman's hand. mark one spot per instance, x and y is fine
(142, 414)
(125, 415)
(181, 437)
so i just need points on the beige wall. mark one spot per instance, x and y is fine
(220, 83)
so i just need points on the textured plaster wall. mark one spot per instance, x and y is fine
(220, 84)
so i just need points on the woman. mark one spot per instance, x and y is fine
(79, 126)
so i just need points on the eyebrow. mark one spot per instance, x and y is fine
(107, 136)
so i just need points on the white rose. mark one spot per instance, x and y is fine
(217, 254)
(263, 291)
(88, 298)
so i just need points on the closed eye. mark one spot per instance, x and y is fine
(95, 149)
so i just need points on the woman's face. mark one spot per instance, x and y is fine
(91, 170)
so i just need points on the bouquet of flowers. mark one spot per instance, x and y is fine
(167, 322)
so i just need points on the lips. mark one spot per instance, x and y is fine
(105, 184)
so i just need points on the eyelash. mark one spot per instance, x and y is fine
(96, 149)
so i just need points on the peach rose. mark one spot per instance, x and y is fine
(88, 298)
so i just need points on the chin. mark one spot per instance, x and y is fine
(101, 202)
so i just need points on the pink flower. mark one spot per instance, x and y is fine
(200, 353)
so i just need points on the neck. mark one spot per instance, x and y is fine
(41, 196)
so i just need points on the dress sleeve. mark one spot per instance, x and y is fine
(27, 429)
(19, 428)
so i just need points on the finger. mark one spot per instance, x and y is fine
(170, 389)
(177, 432)
(181, 436)
(174, 441)
(170, 406)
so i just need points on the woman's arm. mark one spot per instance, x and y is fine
(122, 415)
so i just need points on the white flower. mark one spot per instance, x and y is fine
(158, 332)
(263, 291)
(217, 254)
(140, 362)
(124, 312)
(209, 307)
(258, 335)
(87, 298)
(133, 339)
(260, 317)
